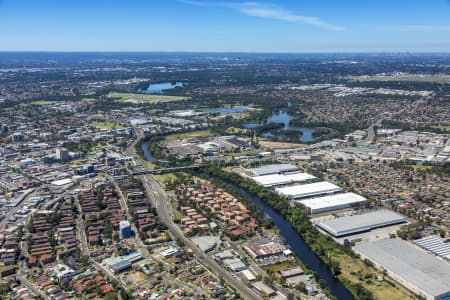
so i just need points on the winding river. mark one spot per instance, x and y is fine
(298, 246)
(294, 240)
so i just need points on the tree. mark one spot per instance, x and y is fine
(301, 287)
(335, 267)
(111, 296)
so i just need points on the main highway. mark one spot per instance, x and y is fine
(159, 198)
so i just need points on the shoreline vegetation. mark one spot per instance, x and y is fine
(343, 263)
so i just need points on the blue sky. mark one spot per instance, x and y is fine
(228, 25)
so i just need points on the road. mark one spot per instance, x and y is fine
(371, 134)
(159, 198)
(143, 248)
(23, 269)
(160, 201)
(13, 210)
(31, 287)
(81, 229)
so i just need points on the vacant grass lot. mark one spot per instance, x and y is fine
(356, 271)
(200, 133)
(281, 266)
(42, 102)
(143, 98)
(88, 100)
(107, 125)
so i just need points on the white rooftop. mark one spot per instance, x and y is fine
(362, 222)
(421, 270)
(332, 200)
(279, 179)
(273, 169)
(308, 190)
(62, 182)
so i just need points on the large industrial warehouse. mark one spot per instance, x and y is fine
(360, 223)
(308, 190)
(281, 179)
(435, 245)
(421, 272)
(332, 202)
(273, 169)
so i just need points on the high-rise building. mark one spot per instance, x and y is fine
(16, 137)
(62, 154)
(125, 229)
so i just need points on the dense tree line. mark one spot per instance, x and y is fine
(321, 244)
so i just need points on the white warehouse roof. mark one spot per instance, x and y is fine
(61, 182)
(279, 179)
(332, 202)
(308, 190)
(273, 169)
(360, 223)
(416, 269)
(435, 245)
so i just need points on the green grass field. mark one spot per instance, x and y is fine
(107, 125)
(355, 271)
(199, 133)
(143, 98)
(42, 102)
(444, 128)
(88, 100)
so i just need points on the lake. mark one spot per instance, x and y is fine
(159, 88)
(282, 116)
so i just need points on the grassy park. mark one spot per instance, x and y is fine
(143, 98)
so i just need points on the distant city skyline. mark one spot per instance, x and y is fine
(225, 26)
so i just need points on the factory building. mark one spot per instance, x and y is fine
(332, 202)
(272, 169)
(360, 223)
(282, 179)
(308, 190)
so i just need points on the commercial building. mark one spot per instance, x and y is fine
(62, 154)
(332, 202)
(291, 272)
(121, 263)
(125, 229)
(360, 223)
(264, 250)
(248, 275)
(169, 252)
(234, 264)
(281, 179)
(264, 289)
(417, 270)
(16, 137)
(273, 169)
(308, 190)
